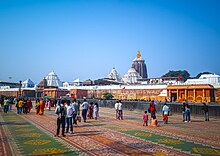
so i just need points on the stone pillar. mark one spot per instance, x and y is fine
(194, 94)
(177, 94)
(203, 95)
(186, 96)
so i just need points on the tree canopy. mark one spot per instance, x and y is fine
(108, 96)
(183, 74)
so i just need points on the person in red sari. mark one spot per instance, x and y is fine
(29, 103)
(42, 106)
(152, 109)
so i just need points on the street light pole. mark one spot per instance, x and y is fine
(20, 88)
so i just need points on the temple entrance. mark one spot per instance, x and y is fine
(173, 97)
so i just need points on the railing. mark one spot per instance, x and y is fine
(195, 109)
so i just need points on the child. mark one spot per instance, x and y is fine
(145, 118)
(154, 122)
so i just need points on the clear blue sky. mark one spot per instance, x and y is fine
(86, 38)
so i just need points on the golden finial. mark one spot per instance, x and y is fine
(138, 54)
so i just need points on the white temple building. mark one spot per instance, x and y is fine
(114, 75)
(212, 79)
(131, 76)
(53, 80)
(28, 84)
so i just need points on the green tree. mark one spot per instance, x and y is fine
(108, 96)
(182, 73)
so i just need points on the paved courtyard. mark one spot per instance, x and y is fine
(33, 134)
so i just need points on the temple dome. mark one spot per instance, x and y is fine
(53, 80)
(114, 75)
(131, 76)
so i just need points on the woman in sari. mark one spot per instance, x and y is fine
(37, 106)
(90, 111)
(42, 106)
(29, 103)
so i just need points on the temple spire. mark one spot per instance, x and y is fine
(139, 54)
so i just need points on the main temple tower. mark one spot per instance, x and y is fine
(140, 66)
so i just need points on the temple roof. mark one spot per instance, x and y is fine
(27, 83)
(114, 75)
(131, 76)
(53, 80)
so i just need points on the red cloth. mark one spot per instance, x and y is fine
(145, 117)
(29, 103)
(165, 117)
(152, 107)
(42, 106)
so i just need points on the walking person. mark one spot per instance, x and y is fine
(116, 109)
(19, 106)
(25, 106)
(120, 110)
(90, 111)
(10, 103)
(96, 110)
(184, 112)
(76, 112)
(69, 116)
(165, 112)
(1, 103)
(29, 103)
(37, 106)
(61, 115)
(145, 118)
(6, 104)
(85, 106)
(206, 111)
(187, 113)
(42, 106)
(15, 102)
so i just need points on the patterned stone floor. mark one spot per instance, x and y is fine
(108, 136)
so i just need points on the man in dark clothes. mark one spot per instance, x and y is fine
(206, 111)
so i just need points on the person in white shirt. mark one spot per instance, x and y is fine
(85, 106)
(116, 109)
(69, 117)
(165, 111)
(120, 113)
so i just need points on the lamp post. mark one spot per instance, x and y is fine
(20, 88)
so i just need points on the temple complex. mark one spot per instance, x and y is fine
(135, 85)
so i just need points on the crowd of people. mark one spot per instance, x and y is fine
(68, 112)
(166, 112)
(23, 105)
